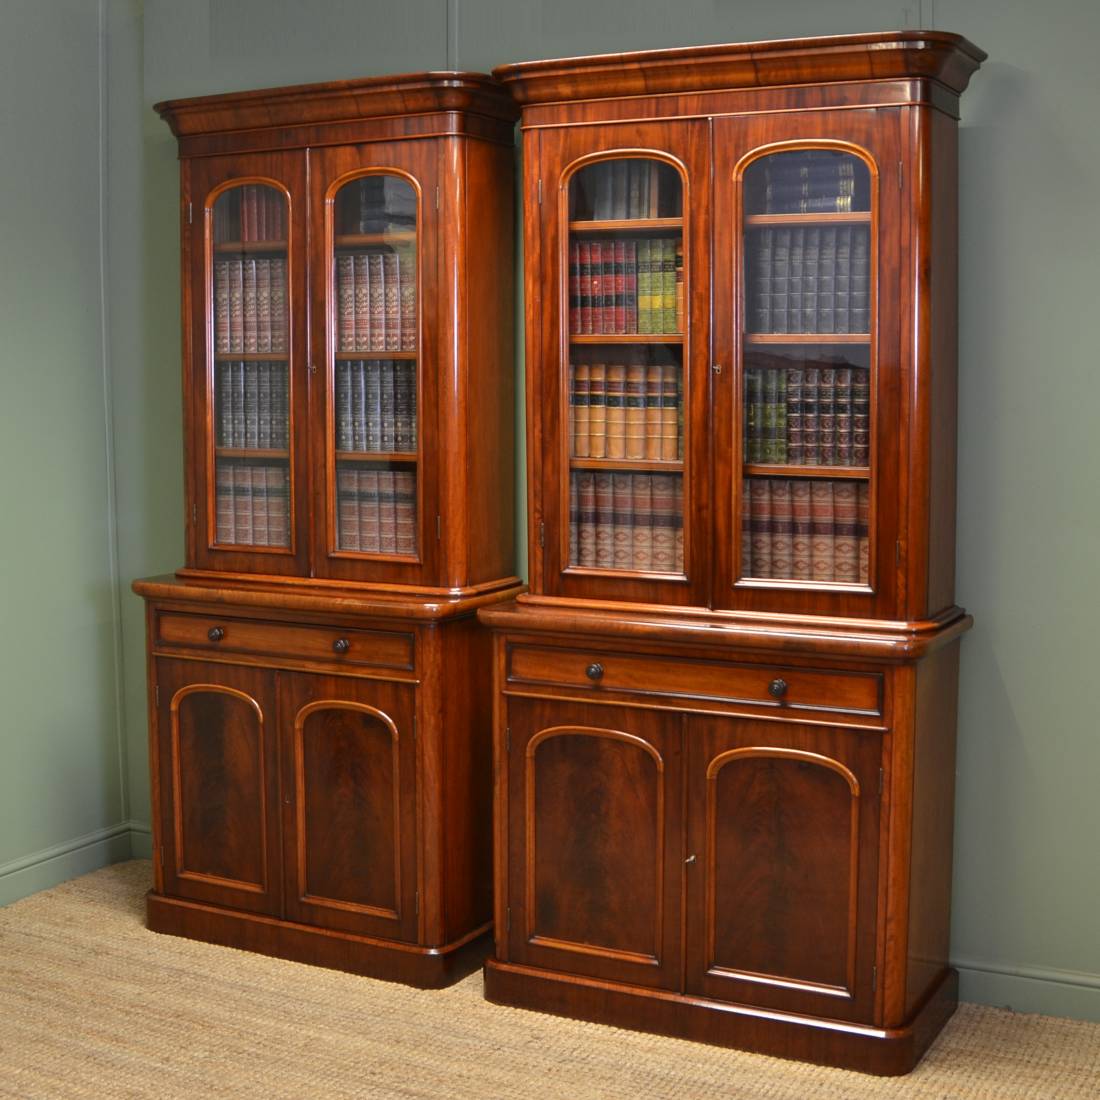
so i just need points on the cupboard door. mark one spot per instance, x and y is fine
(218, 784)
(378, 357)
(808, 250)
(781, 894)
(245, 374)
(594, 843)
(622, 488)
(349, 804)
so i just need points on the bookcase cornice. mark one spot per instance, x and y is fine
(292, 109)
(947, 58)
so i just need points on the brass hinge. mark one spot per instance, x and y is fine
(540, 192)
(189, 214)
(542, 534)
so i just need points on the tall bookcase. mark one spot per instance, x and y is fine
(725, 711)
(319, 731)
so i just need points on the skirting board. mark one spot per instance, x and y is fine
(1030, 989)
(61, 862)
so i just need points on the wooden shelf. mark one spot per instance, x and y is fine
(250, 357)
(807, 338)
(627, 464)
(767, 469)
(354, 355)
(851, 217)
(619, 225)
(405, 458)
(364, 240)
(250, 246)
(627, 338)
(250, 452)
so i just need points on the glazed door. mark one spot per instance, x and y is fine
(783, 837)
(219, 825)
(245, 386)
(620, 473)
(594, 841)
(376, 361)
(349, 804)
(808, 247)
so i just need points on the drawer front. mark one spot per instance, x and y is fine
(331, 644)
(760, 685)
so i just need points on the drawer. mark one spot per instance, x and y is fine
(760, 685)
(298, 641)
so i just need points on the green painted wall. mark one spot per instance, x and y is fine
(1027, 882)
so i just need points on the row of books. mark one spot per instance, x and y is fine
(253, 408)
(808, 183)
(376, 300)
(624, 286)
(807, 416)
(376, 405)
(626, 188)
(625, 410)
(252, 504)
(376, 203)
(254, 212)
(250, 306)
(376, 510)
(805, 529)
(632, 522)
(808, 278)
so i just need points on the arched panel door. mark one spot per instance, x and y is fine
(593, 839)
(216, 748)
(784, 825)
(349, 804)
(246, 368)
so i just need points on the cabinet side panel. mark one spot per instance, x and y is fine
(944, 363)
(490, 336)
(937, 691)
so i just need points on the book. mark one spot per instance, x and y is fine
(678, 522)
(574, 287)
(388, 402)
(635, 418)
(859, 317)
(810, 423)
(224, 513)
(405, 511)
(387, 513)
(811, 252)
(642, 528)
(630, 285)
(596, 287)
(615, 409)
(369, 518)
(863, 541)
(585, 488)
(357, 377)
(258, 479)
(580, 392)
(263, 305)
(760, 280)
(263, 434)
(801, 530)
(225, 404)
(753, 444)
(782, 523)
(221, 306)
(622, 546)
(826, 416)
(654, 414)
(597, 410)
(242, 504)
(861, 417)
(361, 297)
(618, 268)
(823, 537)
(843, 416)
(278, 506)
(391, 296)
(672, 258)
(249, 307)
(671, 412)
(795, 450)
(605, 520)
(376, 298)
(680, 315)
(826, 280)
(842, 286)
(644, 284)
(846, 538)
(406, 262)
(279, 314)
(236, 306)
(251, 405)
(781, 270)
(584, 268)
(761, 521)
(663, 522)
(345, 303)
(280, 406)
(794, 282)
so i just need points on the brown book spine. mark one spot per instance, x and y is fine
(406, 274)
(845, 522)
(861, 417)
(250, 308)
(581, 393)
(615, 402)
(391, 327)
(678, 521)
(597, 410)
(811, 431)
(279, 314)
(236, 306)
(605, 521)
(795, 450)
(635, 411)
(596, 285)
(361, 283)
(574, 522)
(369, 520)
(654, 418)
(622, 550)
(760, 500)
(782, 529)
(242, 504)
(843, 416)
(225, 516)
(405, 511)
(263, 305)
(619, 267)
(278, 506)
(586, 489)
(258, 476)
(863, 529)
(826, 417)
(642, 534)
(609, 283)
(345, 303)
(801, 531)
(747, 569)
(823, 522)
(221, 306)
(663, 512)
(377, 300)
(387, 513)
(670, 412)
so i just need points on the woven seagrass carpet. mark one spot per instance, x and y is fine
(93, 1005)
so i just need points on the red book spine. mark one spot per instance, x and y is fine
(345, 303)
(782, 529)
(405, 511)
(361, 283)
(605, 521)
(863, 528)
(846, 543)
(279, 319)
(347, 508)
(391, 327)
(802, 531)
(823, 542)
(263, 305)
(377, 303)
(250, 307)
(622, 552)
(586, 490)
(406, 262)
(236, 306)
(368, 511)
(619, 268)
(596, 286)
(761, 505)
(221, 305)
(575, 287)
(608, 281)
(585, 272)
(642, 493)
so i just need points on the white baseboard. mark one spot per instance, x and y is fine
(50, 866)
(1039, 989)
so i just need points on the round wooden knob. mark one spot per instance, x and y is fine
(215, 633)
(594, 671)
(341, 645)
(777, 688)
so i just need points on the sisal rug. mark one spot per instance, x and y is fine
(93, 1005)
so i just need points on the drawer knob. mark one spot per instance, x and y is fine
(777, 688)
(341, 645)
(594, 671)
(215, 633)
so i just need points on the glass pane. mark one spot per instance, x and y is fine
(807, 368)
(625, 419)
(375, 403)
(251, 397)
(809, 529)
